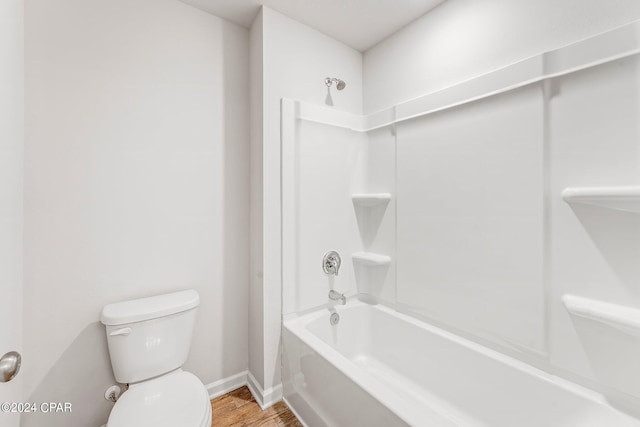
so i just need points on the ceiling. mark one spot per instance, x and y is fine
(358, 23)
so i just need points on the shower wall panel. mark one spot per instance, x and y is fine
(470, 218)
(377, 226)
(594, 140)
(328, 169)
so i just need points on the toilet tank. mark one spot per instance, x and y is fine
(151, 336)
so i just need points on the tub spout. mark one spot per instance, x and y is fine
(337, 297)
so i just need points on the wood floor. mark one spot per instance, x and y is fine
(239, 408)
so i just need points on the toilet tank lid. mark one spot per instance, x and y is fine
(138, 310)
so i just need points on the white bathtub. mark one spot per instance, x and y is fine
(378, 367)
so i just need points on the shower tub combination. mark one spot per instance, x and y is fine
(378, 367)
(381, 367)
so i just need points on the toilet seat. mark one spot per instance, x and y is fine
(174, 399)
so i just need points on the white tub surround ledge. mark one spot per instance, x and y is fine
(371, 199)
(621, 198)
(626, 319)
(371, 259)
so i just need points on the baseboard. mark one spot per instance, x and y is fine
(264, 398)
(225, 385)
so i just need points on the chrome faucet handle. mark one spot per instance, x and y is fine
(331, 262)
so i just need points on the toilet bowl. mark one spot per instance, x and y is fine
(176, 399)
(149, 341)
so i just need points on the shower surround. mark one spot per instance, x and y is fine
(478, 295)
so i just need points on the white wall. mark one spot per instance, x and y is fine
(11, 146)
(461, 39)
(136, 183)
(296, 61)
(256, 283)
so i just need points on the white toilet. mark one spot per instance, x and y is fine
(149, 341)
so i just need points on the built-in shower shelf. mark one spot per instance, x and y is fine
(369, 258)
(620, 317)
(371, 199)
(622, 198)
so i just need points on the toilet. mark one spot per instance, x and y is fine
(149, 341)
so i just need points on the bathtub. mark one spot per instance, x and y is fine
(378, 367)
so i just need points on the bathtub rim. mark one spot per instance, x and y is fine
(297, 326)
(297, 323)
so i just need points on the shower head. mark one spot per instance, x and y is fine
(340, 84)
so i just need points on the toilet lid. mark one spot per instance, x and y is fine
(176, 399)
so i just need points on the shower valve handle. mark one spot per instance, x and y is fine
(331, 263)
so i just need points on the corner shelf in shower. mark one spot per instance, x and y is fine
(622, 198)
(626, 319)
(371, 259)
(371, 199)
